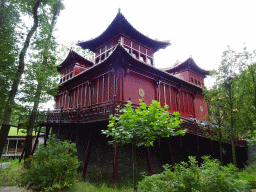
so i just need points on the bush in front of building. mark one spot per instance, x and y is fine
(211, 176)
(53, 167)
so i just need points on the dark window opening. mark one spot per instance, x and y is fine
(102, 57)
(60, 80)
(97, 60)
(199, 83)
(195, 81)
(149, 61)
(142, 58)
(135, 54)
(191, 79)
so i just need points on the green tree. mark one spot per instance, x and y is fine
(43, 69)
(141, 127)
(34, 9)
(227, 102)
(215, 117)
(9, 18)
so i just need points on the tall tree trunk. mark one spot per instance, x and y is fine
(39, 88)
(10, 102)
(32, 119)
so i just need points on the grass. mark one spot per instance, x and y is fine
(99, 181)
(249, 174)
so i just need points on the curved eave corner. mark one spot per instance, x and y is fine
(189, 62)
(72, 55)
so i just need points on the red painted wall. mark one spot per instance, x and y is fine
(183, 75)
(133, 82)
(201, 109)
(78, 69)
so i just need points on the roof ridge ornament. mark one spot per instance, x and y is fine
(119, 10)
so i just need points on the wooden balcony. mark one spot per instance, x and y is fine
(101, 112)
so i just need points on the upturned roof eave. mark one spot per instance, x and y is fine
(189, 62)
(72, 55)
(120, 26)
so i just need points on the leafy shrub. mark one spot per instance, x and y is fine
(53, 167)
(211, 176)
(248, 174)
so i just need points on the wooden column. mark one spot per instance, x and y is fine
(60, 119)
(47, 131)
(115, 149)
(115, 166)
(173, 164)
(149, 162)
(87, 156)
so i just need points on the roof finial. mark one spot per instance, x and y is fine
(190, 56)
(119, 10)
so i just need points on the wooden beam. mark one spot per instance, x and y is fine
(87, 156)
(149, 162)
(115, 165)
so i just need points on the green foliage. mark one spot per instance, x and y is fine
(53, 167)
(141, 126)
(211, 176)
(248, 174)
(12, 174)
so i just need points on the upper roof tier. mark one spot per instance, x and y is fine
(120, 26)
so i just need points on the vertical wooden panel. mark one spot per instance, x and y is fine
(181, 98)
(168, 99)
(105, 86)
(161, 94)
(111, 86)
(100, 86)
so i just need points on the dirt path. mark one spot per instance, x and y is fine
(14, 189)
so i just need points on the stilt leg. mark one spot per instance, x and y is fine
(87, 156)
(115, 166)
(171, 154)
(149, 162)
(47, 131)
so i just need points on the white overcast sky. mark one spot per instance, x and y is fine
(202, 29)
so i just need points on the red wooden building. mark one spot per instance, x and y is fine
(124, 66)
(124, 69)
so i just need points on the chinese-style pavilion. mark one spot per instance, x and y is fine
(124, 69)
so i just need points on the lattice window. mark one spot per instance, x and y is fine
(142, 49)
(97, 53)
(102, 50)
(150, 53)
(127, 42)
(135, 46)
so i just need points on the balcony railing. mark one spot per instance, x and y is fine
(101, 111)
